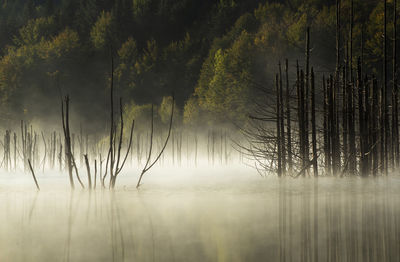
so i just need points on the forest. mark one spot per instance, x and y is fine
(214, 63)
(188, 130)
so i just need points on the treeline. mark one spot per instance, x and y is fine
(214, 55)
(353, 128)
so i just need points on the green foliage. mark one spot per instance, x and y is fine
(211, 54)
(225, 83)
(59, 46)
(35, 31)
(102, 33)
(141, 7)
(128, 56)
(191, 112)
(164, 110)
(140, 113)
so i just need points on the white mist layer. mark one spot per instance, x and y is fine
(198, 214)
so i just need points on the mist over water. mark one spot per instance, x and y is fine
(220, 213)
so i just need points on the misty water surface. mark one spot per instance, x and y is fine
(213, 214)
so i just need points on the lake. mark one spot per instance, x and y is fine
(201, 214)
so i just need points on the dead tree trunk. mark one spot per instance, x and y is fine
(299, 113)
(367, 136)
(337, 36)
(327, 153)
(313, 124)
(361, 119)
(88, 172)
(332, 125)
(344, 112)
(33, 175)
(302, 125)
(288, 120)
(385, 92)
(278, 127)
(15, 152)
(351, 122)
(307, 99)
(65, 121)
(375, 125)
(395, 106)
(70, 161)
(282, 122)
(150, 164)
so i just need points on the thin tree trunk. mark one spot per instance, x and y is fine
(307, 98)
(375, 125)
(289, 128)
(395, 106)
(88, 172)
(327, 154)
(313, 124)
(385, 93)
(278, 127)
(67, 140)
(282, 122)
(33, 175)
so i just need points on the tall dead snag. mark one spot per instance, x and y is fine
(351, 41)
(332, 125)
(395, 95)
(337, 37)
(335, 92)
(344, 111)
(150, 164)
(361, 119)
(313, 125)
(337, 125)
(350, 100)
(288, 128)
(114, 164)
(375, 130)
(278, 127)
(300, 109)
(65, 122)
(351, 125)
(307, 99)
(327, 153)
(385, 93)
(382, 130)
(367, 132)
(282, 122)
(299, 112)
(117, 151)
(67, 138)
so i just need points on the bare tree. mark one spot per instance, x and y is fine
(150, 164)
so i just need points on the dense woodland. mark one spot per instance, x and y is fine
(214, 55)
(347, 122)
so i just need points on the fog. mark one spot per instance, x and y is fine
(220, 213)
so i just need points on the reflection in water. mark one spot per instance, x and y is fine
(324, 219)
